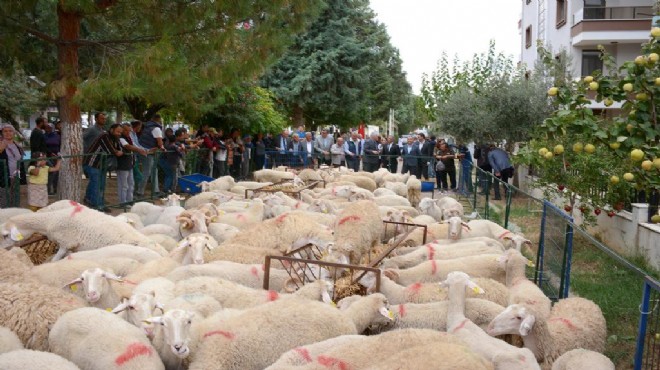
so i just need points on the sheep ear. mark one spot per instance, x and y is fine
(111, 276)
(15, 235)
(528, 242)
(465, 225)
(507, 237)
(527, 324)
(120, 307)
(159, 306)
(391, 274)
(386, 312)
(154, 320)
(475, 288)
(209, 246)
(389, 213)
(74, 281)
(325, 297)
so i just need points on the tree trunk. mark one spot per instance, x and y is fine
(67, 55)
(298, 118)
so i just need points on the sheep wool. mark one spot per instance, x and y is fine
(95, 339)
(29, 309)
(485, 265)
(414, 187)
(358, 228)
(580, 359)
(360, 181)
(251, 276)
(33, 360)
(435, 356)
(9, 341)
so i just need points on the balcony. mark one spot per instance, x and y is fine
(603, 25)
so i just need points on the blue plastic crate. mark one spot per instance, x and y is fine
(188, 184)
(427, 186)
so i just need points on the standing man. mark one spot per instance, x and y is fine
(391, 153)
(281, 144)
(338, 153)
(308, 145)
(297, 151)
(322, 146)
(371, 153)
(38, 137)
(353, 150)
(151, 139)
(410, 154)
(105, 144)
(481, 155)
(502, 168)
(426, 151)
(92, 133)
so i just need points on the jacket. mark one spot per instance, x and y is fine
(146, 138)
(411, 159)
(369, 146)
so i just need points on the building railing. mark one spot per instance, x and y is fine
(613, 13)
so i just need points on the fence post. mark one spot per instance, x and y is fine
(509, 195)
(641, 333)
(538, 274)
(486, 207)
(566, 264)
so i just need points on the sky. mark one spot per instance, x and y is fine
(423, 29)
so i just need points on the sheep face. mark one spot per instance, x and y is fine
(176, 330)
(398, 216)
(426, 204)
(138, 309)
(513, 256)
(195, 245)
(515, 319)
(459, 277)
(196, 220)
(342, 191)
(10, 234)
(455, 229)
(172, 200)
(517, 241)
(94, 283)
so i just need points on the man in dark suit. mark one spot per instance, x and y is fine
(281, 145)
(297, 152)
(426, 151)
(391, 153)
(410, 154)
(370, 160)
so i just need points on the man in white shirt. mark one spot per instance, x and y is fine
(322, 147)
(150, 138)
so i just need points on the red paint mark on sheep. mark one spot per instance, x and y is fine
(564, 321)
(272, 295)
(298, 204)
(348, 218)
(460, 326)
(225, 334)
(132, 351)
(331, 362)
(130, 282)
(434, 267)
(280, 218)
(431, 251)
(402, 310)
(254, 271)
(304, 353)
(415, 288)
(506, 232)
(241, 217)
(77, 208)
(69, 257)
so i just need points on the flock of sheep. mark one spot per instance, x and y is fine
(171, 287)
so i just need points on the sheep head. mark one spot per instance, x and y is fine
(458, 277)
(176, 330)
(10, 234)
(455, 229)
(94, 283)
(513, 256)
(172, 200)
(517, 241)
(515, 319)
(138, 309)
(194, 244)
(184, 218)
(426, 204)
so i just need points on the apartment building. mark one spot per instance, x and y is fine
(579, 26)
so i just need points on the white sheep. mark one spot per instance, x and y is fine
(7, 213)
(475, 337)
(432, 251)
(221, 232)
(398, 188)
(250, 216)
(9, 341)
(28, 359)
(230, 344)
(309, 174)
(138, 308)
(450, 229)
(391, 201)
(167, 242)
(148, 212)
(521, 290)
(96, 339)
(139, 254)
(429, 292)
(423, 220)
(358, 229)
(160, 229)
(219, 184)
(573, 323)
(360, 181)
(272, 176)
(381, 192)
(29, 309)
(149, 270)
(442, 208)
(486, 265)
(97, 290)
(172, 200)
(132, 219)
(414, 190)
(13, 268)
(580, 359)
(429, 355)
(76, 229)
(191, 248)
(251, 276)
(323, 206)
(206, 197)
(492, 230)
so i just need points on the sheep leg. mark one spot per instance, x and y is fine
(61, 253)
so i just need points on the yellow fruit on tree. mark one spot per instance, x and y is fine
(553, 91)
(614, 180)
(656, 163)
(647, 165)
(593, 86)
(548, 155)
(542, 151)
(656, 220)
(559, 149)
(628, 176)
(629, 127)
(655, 31)
(608, 102)
(636, 155)
(640, 60)
(641, 97)
(615, 145)
(628, 87)
(577, 147)
(589, 148)
(588, 79)
(657, 81)
(654, 57)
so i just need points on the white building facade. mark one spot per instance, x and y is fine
(579, 26)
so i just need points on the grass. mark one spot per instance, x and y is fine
(596, 276)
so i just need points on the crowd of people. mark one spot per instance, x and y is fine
(128, 149)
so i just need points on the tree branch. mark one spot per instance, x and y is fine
(34, 32)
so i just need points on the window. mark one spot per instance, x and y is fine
(591, 62)
(562, 9)
(528, 37)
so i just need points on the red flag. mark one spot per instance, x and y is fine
(361, 130)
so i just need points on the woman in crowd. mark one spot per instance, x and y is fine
(53, 144)
(445, 166)
(12, 173)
